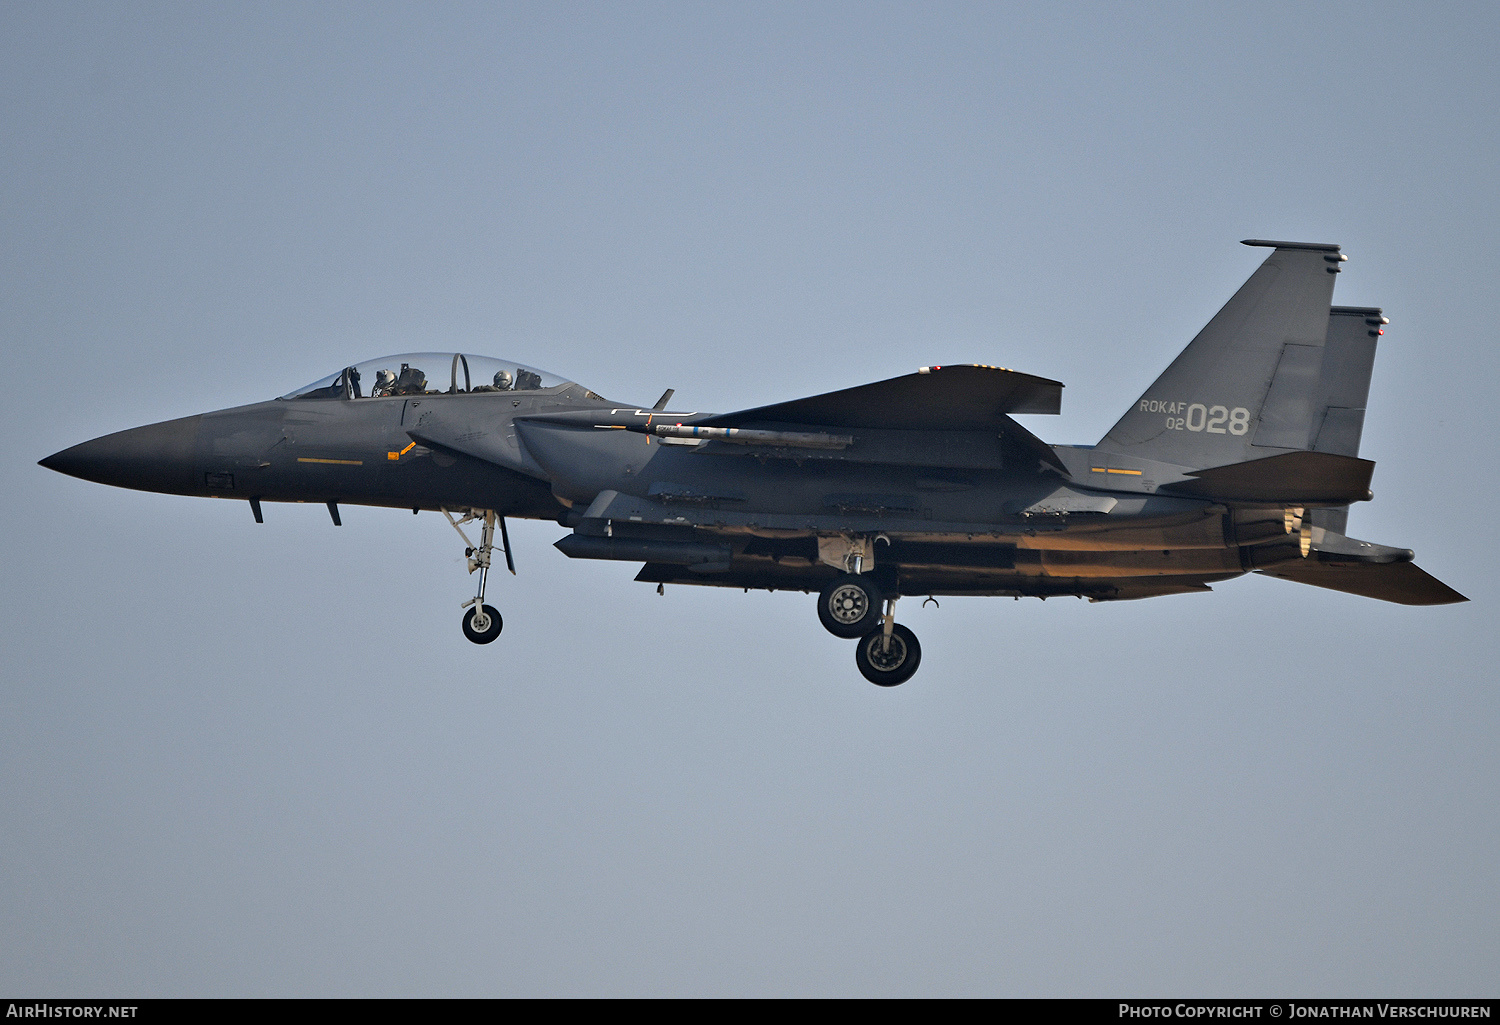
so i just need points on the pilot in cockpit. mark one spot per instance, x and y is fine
(385, 380)
(503, 382)
(410, 381)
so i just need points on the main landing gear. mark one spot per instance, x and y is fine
(888, 656)
(886, 653)
(849, 606)
(482, 624)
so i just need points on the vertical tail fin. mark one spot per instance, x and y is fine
(1248, 386)
(1343, 388)
(1344, 384)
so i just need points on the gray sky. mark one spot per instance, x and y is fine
(262, 760)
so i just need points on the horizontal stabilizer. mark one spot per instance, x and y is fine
(1400, 582)
(954, 398)
(1292, 478)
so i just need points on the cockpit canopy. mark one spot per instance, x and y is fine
(427, 373)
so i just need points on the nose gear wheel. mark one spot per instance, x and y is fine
(482, 625)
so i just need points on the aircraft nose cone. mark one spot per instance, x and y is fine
(158, 457)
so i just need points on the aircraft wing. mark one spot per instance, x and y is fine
(952, 398)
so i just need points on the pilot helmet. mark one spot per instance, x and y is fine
(384, 378)
(503, 380)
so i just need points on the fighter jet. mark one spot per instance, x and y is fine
(1243, 456)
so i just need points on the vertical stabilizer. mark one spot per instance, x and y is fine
(1343, 388)
(1248, 386)
(1344, 385)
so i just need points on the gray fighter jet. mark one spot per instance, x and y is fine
(1242, 457)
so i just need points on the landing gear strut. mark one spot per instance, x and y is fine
(482, 624)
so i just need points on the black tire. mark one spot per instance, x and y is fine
(849, 606)
(887, 668)
(496, 624)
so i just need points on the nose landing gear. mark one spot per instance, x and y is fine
(482, 624)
